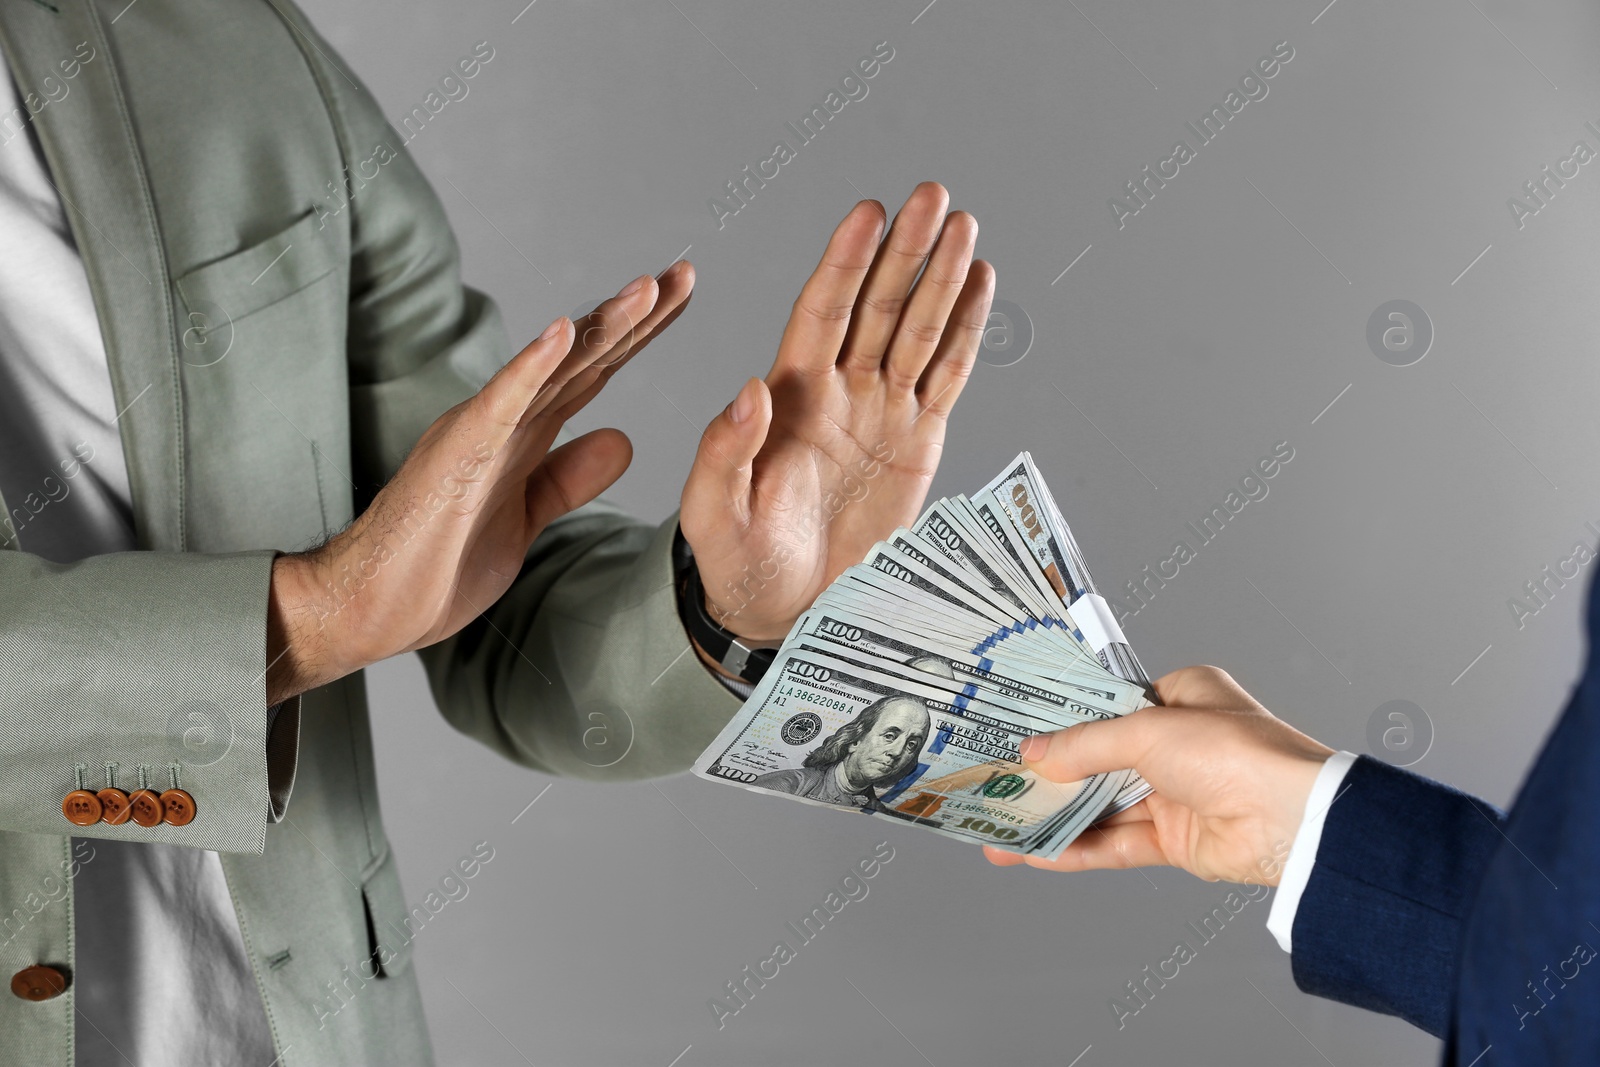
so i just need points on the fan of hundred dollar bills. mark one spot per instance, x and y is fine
(906, 689)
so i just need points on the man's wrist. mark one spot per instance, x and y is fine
(303, 650)
(726, 652)
(748, 630)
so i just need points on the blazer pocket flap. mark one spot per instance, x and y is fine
(262, 274)
(389, 931)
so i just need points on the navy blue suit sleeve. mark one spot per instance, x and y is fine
(1380, 922)
(1534, 932)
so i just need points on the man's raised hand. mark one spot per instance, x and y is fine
(804, 471)
(446, 537)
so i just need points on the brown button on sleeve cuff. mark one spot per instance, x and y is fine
(81, 807)
(146, 807)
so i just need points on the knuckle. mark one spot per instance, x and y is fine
(899, 376)
(957, 370)
(1059, 744)
(953, 280)
(882, 305)
(926, 333)
(823, 312)
(837, 266)
(908, 249)
(487, 405)
(973, 324)
(1219, 681)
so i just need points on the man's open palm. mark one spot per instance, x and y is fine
(806, 470)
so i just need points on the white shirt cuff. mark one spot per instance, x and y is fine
(1303, 853)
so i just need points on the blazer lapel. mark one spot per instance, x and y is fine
(95, 164)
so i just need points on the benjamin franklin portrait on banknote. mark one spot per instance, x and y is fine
(873, 750)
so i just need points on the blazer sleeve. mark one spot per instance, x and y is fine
(583, 667)
(73, 638)
(1380, 923)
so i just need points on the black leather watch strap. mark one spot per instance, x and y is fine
(749, 662)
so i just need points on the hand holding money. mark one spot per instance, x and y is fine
(907, 688)
(1231, 783)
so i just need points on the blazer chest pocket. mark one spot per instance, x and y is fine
(252, 278)
(266, 392)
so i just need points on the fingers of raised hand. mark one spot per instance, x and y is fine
(536, 378)
(923, 321)
(947, 372)
(821, 313)
(605, 338)
(617, 334)
(677, 285)
(877, 311)
(597, 338)
(506, 396)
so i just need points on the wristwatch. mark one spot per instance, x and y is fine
(737, 656)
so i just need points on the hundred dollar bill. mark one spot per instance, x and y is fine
(1005, 605)
(930, 620)
(968, 538)
(983, 700)
(1020, 492)
(1020, 680)
(947, 550)
(1010, 541)
(994, 696)
(944, 529)
(1012, 563)
(887, 568)
(832, 732)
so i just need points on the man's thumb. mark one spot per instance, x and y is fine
(719, 482)
(1088, 748)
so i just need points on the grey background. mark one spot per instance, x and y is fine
(1222, 319)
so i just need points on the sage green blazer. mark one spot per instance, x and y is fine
(275, 352)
